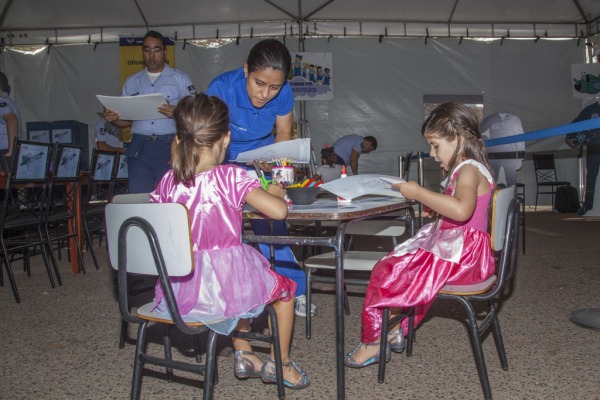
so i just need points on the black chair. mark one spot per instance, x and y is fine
(99, 193)
(505, 243)
(545, 176)
(122, 175)
(155, 239)
(520, 194)
(59, 213)
(22, 208)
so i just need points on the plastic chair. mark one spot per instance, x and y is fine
(545, 176)
(505, 243)
(155, 239)
(22, 208)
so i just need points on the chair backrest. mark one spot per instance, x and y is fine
(131, 198)
(122, 168)
(30, 162)
(66, 163)
(545, 171)
(500, 202)
(131, 228)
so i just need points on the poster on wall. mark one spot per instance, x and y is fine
(132, 61)
(585, 80)
(311, 77)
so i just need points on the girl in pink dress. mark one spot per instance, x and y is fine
(453, 250)
(231, 281)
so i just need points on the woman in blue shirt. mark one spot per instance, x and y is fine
(260, 98)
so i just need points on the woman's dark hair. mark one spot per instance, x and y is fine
(269, 53)
(156, 35)
(201, 122)
(450, 120)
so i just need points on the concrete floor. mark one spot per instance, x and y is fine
(63, 343)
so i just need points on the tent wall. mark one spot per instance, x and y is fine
(378, 87)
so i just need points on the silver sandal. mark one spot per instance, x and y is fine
(244, 368)
(267, 374)
(396, 340)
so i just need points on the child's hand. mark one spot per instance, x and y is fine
(408, 189)
(276, 190)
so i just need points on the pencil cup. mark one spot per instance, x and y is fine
(283, 175)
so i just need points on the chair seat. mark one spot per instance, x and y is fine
(353, 260)
(377, 228)
(147, 312)
(466, 290)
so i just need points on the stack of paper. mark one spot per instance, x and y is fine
(362, 185)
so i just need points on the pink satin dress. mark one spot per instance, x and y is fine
(440, 253)
(230, 280)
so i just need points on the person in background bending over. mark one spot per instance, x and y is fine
(10, 125)
(150, 149)
(349, 148)
(259, 97)
(108, 136)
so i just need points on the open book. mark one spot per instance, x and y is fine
(362, 185)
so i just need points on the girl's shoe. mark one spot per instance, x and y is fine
(243, 367)
(352, 363)
(267, 374)
(396, 341)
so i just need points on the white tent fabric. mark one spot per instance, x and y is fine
(80, 21)
(379, 82)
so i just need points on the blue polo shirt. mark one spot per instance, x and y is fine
(343, 146)
(250, 127)
(172, 84)
(6, 107)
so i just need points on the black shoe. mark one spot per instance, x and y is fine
(582, 211)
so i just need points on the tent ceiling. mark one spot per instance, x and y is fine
(74, 21)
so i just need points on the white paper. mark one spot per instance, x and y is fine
(361, 185)
(135, 108)
(297, 150)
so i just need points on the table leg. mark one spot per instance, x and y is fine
(339, 310)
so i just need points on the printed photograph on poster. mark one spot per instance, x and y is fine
(585, 80)
(61, 136)
(311, 77)
(39, 136)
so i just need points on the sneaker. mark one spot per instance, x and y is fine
(300, 307)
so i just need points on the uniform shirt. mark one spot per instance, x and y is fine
(6, 107)
(250, 127)
(106, 132)
(589, 112)
(343, 146)
(172, 84)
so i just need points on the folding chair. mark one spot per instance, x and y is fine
(99, 193)
(545, 176)
(22, 207)
(155, 239)
(59, 212)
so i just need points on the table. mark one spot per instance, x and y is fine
(83, 178)
(328, 209)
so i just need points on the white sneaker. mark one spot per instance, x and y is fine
(300, 307)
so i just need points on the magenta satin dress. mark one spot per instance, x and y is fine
(231, 280)
(417, 269)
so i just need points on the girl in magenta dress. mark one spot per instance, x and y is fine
(231, 281)
(455, 249)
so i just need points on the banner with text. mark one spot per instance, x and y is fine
(311, 77)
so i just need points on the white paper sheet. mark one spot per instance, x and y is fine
(135, 108)
(361, 185)
(297, 150)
